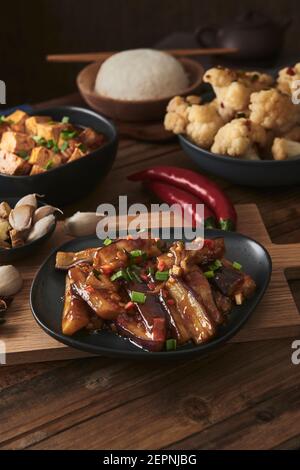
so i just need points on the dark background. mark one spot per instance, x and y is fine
(31, 29)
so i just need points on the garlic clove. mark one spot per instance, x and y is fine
(43, 211)
(41, 227)
(10, 281)
(29, 200)
(20, 218)
(82, 224)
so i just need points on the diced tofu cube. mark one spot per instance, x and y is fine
(17, 120)
(16, 141)
(40, 156)
(32, 122)
(50, 130)
(36, 170)
(44, 157)
(91, 138)
(11, 164)
(76, 155)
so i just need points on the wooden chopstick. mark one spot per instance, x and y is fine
(98, 56)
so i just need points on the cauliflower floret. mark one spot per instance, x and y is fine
(256, 81)
(238, 137)
(273, 110)
(286, 77)
(233, 89)
(284, 148)
(204, 123)
(176, 117)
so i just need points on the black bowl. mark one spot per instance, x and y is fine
(261, 173)
(15, 254)
(47, 292)
(71, 181)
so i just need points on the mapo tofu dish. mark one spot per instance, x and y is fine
(160, 296)
(30, 145)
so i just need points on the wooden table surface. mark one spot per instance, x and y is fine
(244, 396)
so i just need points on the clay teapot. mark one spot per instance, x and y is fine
(253, 33)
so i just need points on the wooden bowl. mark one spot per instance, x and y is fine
(133, 111)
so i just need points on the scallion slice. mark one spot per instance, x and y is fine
(64, 146)
(138, 297)
(107, 242)
(171, 344)
(209, 274)
(236, 265)
(119, 275)
(136, 253)
(162, 275)
(65, 120)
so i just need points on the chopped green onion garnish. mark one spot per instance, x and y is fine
(215, 265)
(209, 274)
(64, 146)
(67, 135)
(23, 154)
(96, 273)
(49, 165)
(107, 242)
(40, 140)
(171, 344)
(119, 275)
(136, 253)
(129, 274)
(65, 120)
(82, 147)
(162, 275)
(55, 148)
(236, 265)
(138, 297)
(2, 118)
(135, 276)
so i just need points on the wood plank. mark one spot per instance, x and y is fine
(26, 341)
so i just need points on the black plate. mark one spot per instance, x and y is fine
(47, 293)
(14, 254)
(259, 173)
(74, 180)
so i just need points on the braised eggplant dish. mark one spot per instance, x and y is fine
(160, 296)
(30, 145)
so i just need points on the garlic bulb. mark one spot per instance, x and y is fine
(29, 200)
(41, 227)
(43, 211)
(10, 281)
(20, 218)
(82, 224)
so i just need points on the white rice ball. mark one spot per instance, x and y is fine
(141, 74)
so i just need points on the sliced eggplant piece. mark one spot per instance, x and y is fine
(228, 280)
(176, 323)
(105, 304)
(223, 303)
(196, 280)
(192, 311)
(132, 327)
(66, 260)
(76, 313)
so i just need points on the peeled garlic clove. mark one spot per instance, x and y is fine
(41, 227)
(43, 211)
(29, 200)
(82, 224)
(10, 281)
(20, 218)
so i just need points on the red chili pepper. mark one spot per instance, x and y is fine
(173, 195)
(129, 305)
(106, 269)
(170, 302)
(161, 265)
(197, 185)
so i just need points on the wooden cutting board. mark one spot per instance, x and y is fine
(277, 315)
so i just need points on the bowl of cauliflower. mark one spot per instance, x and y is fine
(249, 133)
